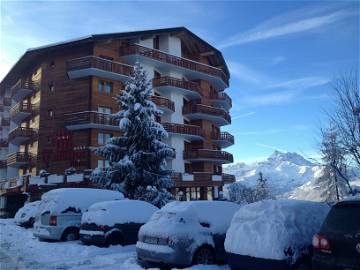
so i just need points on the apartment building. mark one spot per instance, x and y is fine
(56, 102)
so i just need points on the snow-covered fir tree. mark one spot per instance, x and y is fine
(138, 158)
(241, 194)
(262, 191)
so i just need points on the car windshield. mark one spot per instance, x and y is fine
(343, 219)
(169, 217)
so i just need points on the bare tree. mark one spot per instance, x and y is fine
(346, 116)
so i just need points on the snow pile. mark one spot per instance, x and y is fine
(275, 229)
(75, 199)
(119, 212)
(26, 212)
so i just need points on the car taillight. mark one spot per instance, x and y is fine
(320, 242)
(102, 227)
(53, 220)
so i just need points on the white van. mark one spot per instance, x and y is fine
(60, 211)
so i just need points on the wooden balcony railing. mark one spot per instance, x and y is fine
(3, 143)
(221, 96)
(29, 133)
(21, 157)
(228, 178)
(171, 81)
(163, 102)
(204, 177)
(24, 107)
(24, 84)
(222, 136)
(135, 49)
(92, 61)
(208, 154)
(204, 109)
(3, 164)
(90, 117)
(183, 129)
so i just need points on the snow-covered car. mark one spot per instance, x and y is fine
(337, 244)
(60, 211)
(25, 216)
(114, 222)
(185, 233)
(274, 234)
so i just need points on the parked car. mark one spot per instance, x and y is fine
(114, 222)
(60, 211)
(185, 233)
(25, 216)
(274, 235)
(337, 244)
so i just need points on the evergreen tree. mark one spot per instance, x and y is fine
(262, 191)
(138, 158)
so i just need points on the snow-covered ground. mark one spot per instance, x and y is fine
(19, 249)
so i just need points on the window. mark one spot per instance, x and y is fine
(102, 109)
(51, 113)
(52, 64)
(105, 87)
(103, 163)
(104, 138)
(51, 88)
(49, 140)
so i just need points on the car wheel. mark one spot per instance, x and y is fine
(302, 266)
(70, 234)
(204, 255)
(114, 238)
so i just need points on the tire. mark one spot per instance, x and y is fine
(204, 255)
(114, 238)
(70, 234)
(302, 265)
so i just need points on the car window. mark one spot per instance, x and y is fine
(343, 219)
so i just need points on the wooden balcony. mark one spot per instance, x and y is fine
(21, 160)
(23, 89)
(22, 135)
(206, 155)
(95, 66)
(90, 119)
(167, 84)
(201, 179)
(164, 62)
(222, 139)
(3, 164)
(221, 100)
(3, 143)
(22, 111)
(200, 111)
(164, 104)
(190, 132)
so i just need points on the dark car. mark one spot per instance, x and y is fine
(337, 245)
(114, 222)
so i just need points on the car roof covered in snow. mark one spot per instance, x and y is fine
(118, 212)
(59, 200)
(267, 229)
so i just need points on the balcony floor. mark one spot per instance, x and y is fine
(80, 73)
(220, 121)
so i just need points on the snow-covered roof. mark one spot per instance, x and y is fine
(267, 229)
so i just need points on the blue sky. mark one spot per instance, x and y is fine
(282, 55)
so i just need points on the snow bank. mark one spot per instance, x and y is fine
(275, 229)
(26, 212)
(124, 211)
(59, 200)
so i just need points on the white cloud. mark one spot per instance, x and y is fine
(242, 115)
(285, 25)
(271, 147)
(301, 83)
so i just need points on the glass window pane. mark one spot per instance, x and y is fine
(100, 138)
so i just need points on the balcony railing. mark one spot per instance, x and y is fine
(89, 65)
(90, 119)
(178, 83)
(23, 110)
(211, 155)
(201, 109)
(3, 143)
(22, 135)
(3, 164)
(228, 178)
(135, 49)
(224, 138)
(190, 130)
(163, 102)
(221, 99)
(21, 159)
(205, 178)
(23, 88)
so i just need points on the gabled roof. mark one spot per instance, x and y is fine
(32, 53)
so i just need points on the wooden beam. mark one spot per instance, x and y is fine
(209, 53)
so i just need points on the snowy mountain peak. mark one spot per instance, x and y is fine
(278, 157)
